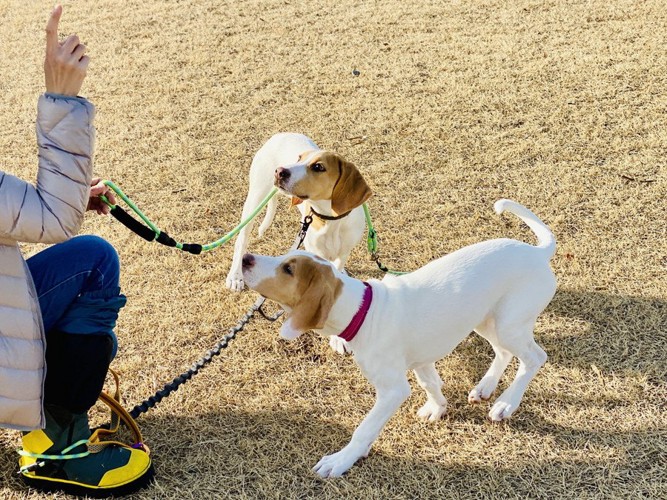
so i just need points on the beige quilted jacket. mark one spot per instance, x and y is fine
(49, 212)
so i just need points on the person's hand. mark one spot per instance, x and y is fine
(65, 63)
(97, 189)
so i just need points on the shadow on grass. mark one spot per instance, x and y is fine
(269, 454)
(625, 333)
(617, 334)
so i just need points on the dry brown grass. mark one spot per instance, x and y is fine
(560, 105)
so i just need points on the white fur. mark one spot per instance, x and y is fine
(334, 241)
(496, 288)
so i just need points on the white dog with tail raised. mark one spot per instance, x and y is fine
(496, 288)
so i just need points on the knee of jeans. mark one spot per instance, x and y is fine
(107, 260)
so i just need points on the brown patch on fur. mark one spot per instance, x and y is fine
(305, 153)
(340, 182)
(351, 189)
(310, 291)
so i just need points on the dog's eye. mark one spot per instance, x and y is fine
(287, 269)
(317, 167)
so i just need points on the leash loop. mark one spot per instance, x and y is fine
(100, 437)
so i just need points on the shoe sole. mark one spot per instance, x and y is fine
(77, 489)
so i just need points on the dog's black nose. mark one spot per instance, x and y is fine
(282, 173)
(248, 261)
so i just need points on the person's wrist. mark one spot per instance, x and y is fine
(60, 93)
(54, 85)
(64, 97)
(71, 92)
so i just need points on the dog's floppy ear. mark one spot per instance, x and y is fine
(350, 190)
(316, 301)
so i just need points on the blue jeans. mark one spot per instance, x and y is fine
(77, 286)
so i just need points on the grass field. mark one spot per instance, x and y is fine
(560, 105)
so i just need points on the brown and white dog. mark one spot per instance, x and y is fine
(317, 180)
(496, 288)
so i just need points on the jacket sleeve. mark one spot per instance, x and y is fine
(53, 210)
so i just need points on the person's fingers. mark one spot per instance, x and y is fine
(97, 190)
(79, 52)
(84, 62)
(99, 206)
(95, 204)
(52, 29)
(70, 43)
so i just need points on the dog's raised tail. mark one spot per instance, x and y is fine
(545, 238)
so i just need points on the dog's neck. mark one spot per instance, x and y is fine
(345, 307)
(322, 207)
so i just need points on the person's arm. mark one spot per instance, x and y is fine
(53, 210)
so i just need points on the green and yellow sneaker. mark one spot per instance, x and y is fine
(63, 457)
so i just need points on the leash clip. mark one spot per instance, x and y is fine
(307, 221)
(305, 224)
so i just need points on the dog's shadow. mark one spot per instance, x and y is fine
(599, 331)
(618, 333)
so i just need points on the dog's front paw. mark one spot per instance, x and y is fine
(480, 393)
(338, 344)
(501, 410)
(234, 282)
(335, 465)
(432, 411)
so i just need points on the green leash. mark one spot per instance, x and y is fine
(372, 244)
(65, 455)
(150, 232)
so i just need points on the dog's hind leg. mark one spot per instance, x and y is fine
(436, 404)
(531, 358)
(489, 382)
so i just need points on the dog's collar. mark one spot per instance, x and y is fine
(328, 217)
(355, 325)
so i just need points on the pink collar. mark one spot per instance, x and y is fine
(353, 328)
